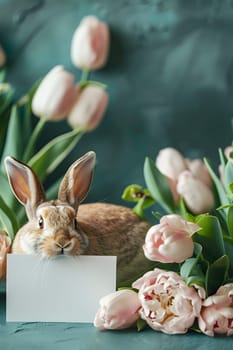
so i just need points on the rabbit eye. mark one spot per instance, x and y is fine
(40, 222)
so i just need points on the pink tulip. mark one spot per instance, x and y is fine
(171, 240)
(170, 163)
(90, 44)
(200, 171)
(5, 243)
(228, 151)
(118, 310)
(197, 196)
(168, 304)
(2, 57)
(216, 315)
(55, 95)
(89, 108)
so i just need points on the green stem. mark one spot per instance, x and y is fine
(31, 144)
(228, 239)
(85, 75)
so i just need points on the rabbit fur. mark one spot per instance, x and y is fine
(63, 226)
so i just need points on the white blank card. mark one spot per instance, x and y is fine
(63, 289)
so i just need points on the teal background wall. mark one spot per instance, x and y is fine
(169, 75)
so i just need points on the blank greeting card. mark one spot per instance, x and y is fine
(64, 289)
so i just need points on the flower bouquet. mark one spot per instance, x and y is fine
(191, 285)
(51, 100)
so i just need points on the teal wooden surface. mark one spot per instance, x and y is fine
(59, 336)
(170, 79)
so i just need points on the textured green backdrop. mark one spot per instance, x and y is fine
(170, 78)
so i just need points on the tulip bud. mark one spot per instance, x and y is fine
(55, 95)
(2, 57)
(170, 241)
(170, 163)
(90, 44)
(118, 310)
(199, 170)
(228, 151)
(197, 196)
(89, 108)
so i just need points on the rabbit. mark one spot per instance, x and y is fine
(63, 226)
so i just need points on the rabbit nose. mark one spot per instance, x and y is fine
(62, 244)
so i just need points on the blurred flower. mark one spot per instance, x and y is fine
(90, 44)
(55, 95)
(170, 241)
(89, 108)
(170, 163)
(199, 170)
(174, 167)
(2, 57)
(168, 304)
(228, 151)
(197, 196)
(5, 243)
(118, 310)
(217, 312)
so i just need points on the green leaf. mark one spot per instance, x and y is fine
(230, 220)
(6, 192)
(187, 267)
(13, 143)
(222, 158)
(210, 237)
(228, 174)
(229, 253)
(143, 204)
(133, 193)
(6, 99)
(158, 186)
(230, 186)
(2, 75)
(141, 324)
(29, 150)
(191, 271)
(52, 154)
(8, 219)
(217, 274)
(219, 186)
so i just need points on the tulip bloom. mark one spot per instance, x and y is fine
(5, 243)
(197, 196)
(228, 151)
(216, 315)
(199, 170)
(168, 304)
(2, 57)
(55, 95)
(89, 108)
(170, 163)
(90, 44)
(118, 310)
(173, 165)
(171, 240)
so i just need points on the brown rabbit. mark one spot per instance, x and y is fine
(55, 227)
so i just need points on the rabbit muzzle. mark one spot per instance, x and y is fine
(61, 243)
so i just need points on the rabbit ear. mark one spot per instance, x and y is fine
(25, 185)
(77, 180)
